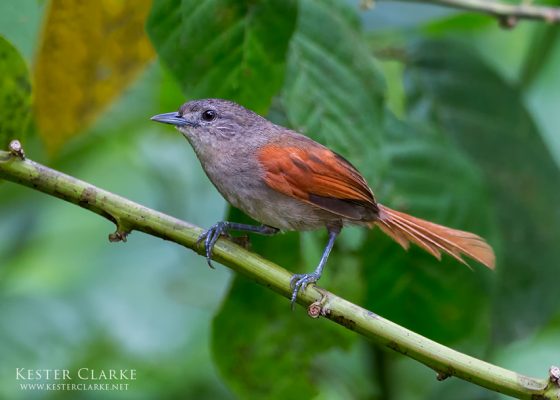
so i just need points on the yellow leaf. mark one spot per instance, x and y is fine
(90, 51)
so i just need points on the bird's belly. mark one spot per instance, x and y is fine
(269, 207)
(285, 214)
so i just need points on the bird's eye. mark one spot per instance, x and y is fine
(209, 115)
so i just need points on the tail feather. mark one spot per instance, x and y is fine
(409, 225)
(417, 237)
(434, 238)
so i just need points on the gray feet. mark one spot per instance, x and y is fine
(300, 281)
(211, 236)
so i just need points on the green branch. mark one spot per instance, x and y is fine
(129, 216)
(508, 14)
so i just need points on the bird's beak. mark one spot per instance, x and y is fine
(172, 118)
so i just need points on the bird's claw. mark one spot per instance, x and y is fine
(299, 282)
(210, 237)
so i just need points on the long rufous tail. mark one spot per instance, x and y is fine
(433, 238)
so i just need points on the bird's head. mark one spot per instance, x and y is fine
(210, 120)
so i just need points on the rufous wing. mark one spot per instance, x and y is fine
(316, 175)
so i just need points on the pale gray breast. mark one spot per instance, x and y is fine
(242, 185)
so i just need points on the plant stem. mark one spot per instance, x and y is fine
(129, 216)
(504, 11)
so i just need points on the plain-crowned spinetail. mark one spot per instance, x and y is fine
(289, 182)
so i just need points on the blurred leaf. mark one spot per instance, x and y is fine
(225, 48)
(504, 50)
(393, 71)
(535, 354)
(542, 100)
(89, 53)
(429, 178)
(487, 117)
(15, 94)
(460, 22)
(539, 53)
(334, 88)
(263, 349)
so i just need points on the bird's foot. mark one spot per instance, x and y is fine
(211, 236)
(299, 282)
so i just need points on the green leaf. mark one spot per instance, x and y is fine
(487, 118)
(533, 355)
(262, 348)
(431, 179)
(225, 48)
(460, 22)
(542, 47)
(541, 97)
(15, 94)
(334, 89)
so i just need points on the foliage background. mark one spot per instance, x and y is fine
(449, 117)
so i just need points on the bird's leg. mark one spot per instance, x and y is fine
(211, 235)
(300, 281)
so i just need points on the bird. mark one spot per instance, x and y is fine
(288, 182)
